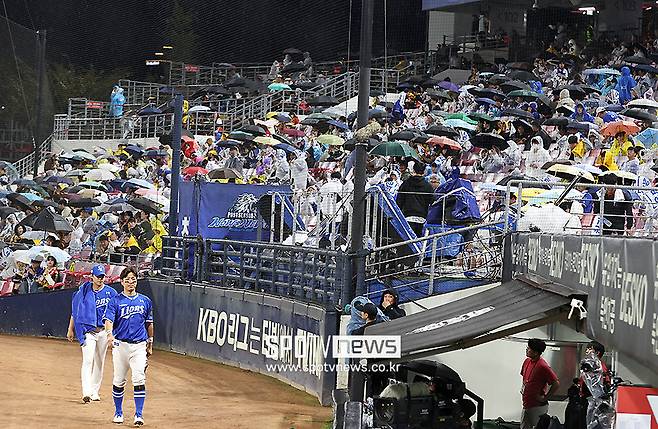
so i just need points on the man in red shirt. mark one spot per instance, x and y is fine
(537, 375)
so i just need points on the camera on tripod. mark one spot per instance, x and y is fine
(425, 394)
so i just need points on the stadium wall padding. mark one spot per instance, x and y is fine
(239, 328)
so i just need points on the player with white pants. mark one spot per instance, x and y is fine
(86, 323)
(129, 326)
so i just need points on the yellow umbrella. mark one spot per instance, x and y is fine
(269, 141)
(331, 140)
(569, 172)
(528, 193)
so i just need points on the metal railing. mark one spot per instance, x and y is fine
(587, 209)
(85, 108)
(25, 165)
(314, 275)
(127, 127)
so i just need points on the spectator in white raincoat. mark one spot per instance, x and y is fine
(537, 156)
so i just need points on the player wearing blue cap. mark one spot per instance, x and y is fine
(86, 323)
(129, 323)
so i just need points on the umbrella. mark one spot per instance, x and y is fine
(482, 117)
(234, 82)
(458, 123)
(44, 203)
(60, 255)
(448, 86)
(488, 140)
(93, 185)
(140, 183)
(84, 155)
(603, 71)
(323, 101)
(292, 132)
(84, 203)
(619, 176)
(522, 75)
(403, 135)
(310, 121)
(639, 114)
(637, 60)
(115, 208)
(269, 141)
(35, 235)
(99, 174)
(319, 116)
(438, 94)
(643, 103)
(592, 169)
(518, 113)
(512, 85)
(6, 211)
(443, 142)
(612, 128)
(293, 68)
(109, 167)
(20, 200)
(254, 130)
(283, 117)
(76, 173)
(524, 93)
(498, 79)
(149, 110)
(278, 86)
(338, 124)
(193, 171)
(30, 196)
(241, 136)
(194, 109)
(574, 90)
(490, 93)
(93, 193)
(548, 196)
(483, 100)
(647, 68)
(557, 122)
(405, 86)
(224, 173)
(286, 147)
(440, 130)
(648, 137)
(461, 116)
(331, 140)
(51, 222)
(141, 203)
(394, 148)
(10, 170)
(59, 179)
(569, 172)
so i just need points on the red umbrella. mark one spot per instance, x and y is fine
(293, 132)
(443, 142)
(191, 171)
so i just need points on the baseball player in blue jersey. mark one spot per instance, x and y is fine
(129, 325)
(86, 323)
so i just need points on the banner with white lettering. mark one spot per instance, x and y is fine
(618, 274)
(275, 336)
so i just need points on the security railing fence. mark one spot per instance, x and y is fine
(588, 209)
(134, 126)
(25, 165)
(307, 274)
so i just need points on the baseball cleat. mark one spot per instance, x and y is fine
(86, 399)
(95, 397)
(118, 418)
(139, 421)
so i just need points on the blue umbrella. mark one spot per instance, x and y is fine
(156, 153)
(228, 143)
(649, 137)
(484, 100)
(339, 124)
(604, 71)
(614, 108)
(283, 117)
(285, 147)
(30, 196)
(448, 86)
(134, 149)
(149, 110)
(59, 179)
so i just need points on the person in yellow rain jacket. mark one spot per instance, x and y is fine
(578, 148)
(606, 161)
(159, 231)
(621, 144)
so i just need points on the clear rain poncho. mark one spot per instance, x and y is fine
(600, 410)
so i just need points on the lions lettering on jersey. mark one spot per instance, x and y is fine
(129, 314)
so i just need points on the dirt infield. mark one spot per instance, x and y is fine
(40, 388)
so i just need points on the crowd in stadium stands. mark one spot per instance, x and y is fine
(567, 114)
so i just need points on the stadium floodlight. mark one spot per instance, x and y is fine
(167, 47)
(159, 54)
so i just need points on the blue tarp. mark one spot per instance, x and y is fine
(465, 207)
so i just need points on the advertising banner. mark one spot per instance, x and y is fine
(618, 274)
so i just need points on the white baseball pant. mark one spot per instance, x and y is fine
(93, 361)
(125, 356)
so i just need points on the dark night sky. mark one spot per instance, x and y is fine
(122, 33)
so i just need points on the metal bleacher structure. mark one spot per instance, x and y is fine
(308, 262)
(89, 119)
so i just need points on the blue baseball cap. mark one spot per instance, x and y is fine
(98, 270)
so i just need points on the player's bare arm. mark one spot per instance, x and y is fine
(70, 333)
(108, 329)
(149, 341)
